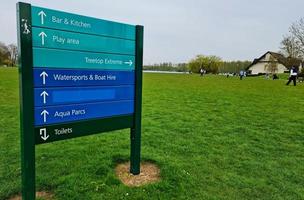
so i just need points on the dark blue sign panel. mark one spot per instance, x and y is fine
(46, 77)
(70, 95)
(77, 112)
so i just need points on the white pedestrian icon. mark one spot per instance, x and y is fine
(25, 26)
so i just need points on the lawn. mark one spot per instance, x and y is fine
(212, 137)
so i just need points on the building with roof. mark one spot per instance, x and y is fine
(260, 65)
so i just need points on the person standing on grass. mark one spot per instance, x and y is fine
(293, 76)
(202, 72)
(241, 75)
(266, 76)
(275, 76)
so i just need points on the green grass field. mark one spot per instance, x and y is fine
(212, 137)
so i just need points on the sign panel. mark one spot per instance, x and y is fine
(56, 39)
(47, 77)
(76, 129)
(77, 112)
(43, 17)
(52, 58)
(78, 76)
(77, 95)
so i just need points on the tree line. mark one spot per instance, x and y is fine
(212, 64)
(8, 54)
(167, 66)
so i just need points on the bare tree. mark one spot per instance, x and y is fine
(13, 52)
(297, 31)
(290, 47)
(272, 65)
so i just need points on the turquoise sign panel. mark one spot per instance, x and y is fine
(49, 38)
(42, 17)
(53, 58)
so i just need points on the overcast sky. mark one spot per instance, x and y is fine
(177, 30)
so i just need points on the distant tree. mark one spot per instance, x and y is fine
(182, 67)
(290, 47)
(290, 62)
(297, 31)
(167, 66)
(4, 54)
(233, 66)
(209, 63)
(302, 72)
(271, 66)
(13, 53)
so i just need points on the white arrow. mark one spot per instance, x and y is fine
(42, 35)
(129, 62)
(42, 15)
(43, 75)
(44, 94)
(44, 113)
(43, 134)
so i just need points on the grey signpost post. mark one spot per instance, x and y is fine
(78, 76)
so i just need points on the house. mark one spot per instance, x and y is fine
(281, 63)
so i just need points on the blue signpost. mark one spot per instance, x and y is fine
(78, 76)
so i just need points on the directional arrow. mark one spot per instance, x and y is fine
(42, 15)
(43, 75)
(42, 35)
(44, 94)
(129, 62)
(44, 113)
(43, 134)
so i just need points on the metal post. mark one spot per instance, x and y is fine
(136, 129)
(24, 27)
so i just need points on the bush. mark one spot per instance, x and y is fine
(209, 63)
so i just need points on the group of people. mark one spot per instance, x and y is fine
(274, 76)
(202, 72)
(292, 77)
(242, 74)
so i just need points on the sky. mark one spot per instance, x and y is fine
(177, 30)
